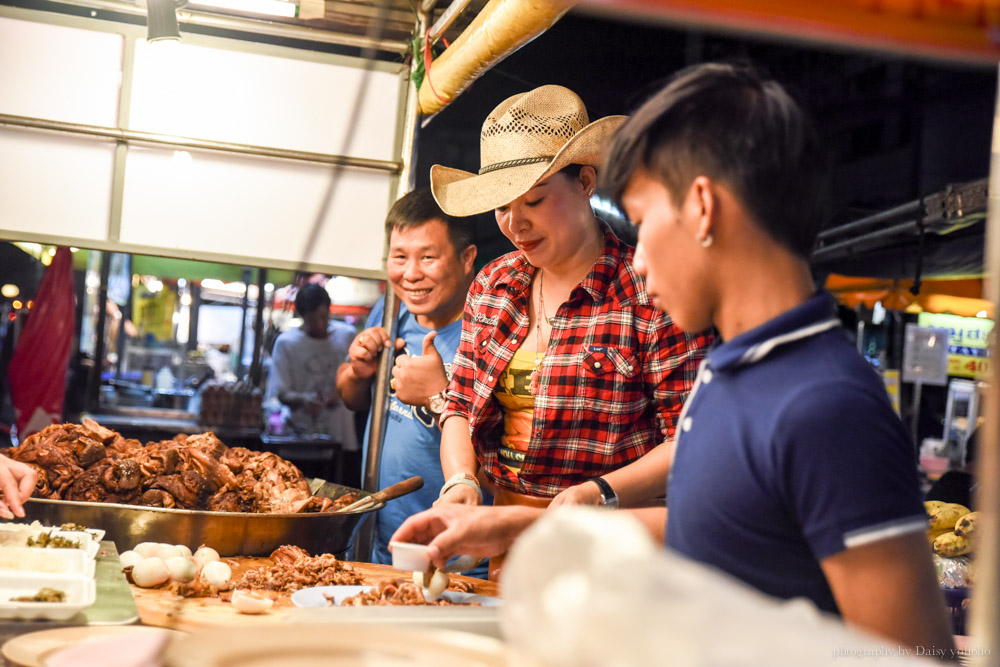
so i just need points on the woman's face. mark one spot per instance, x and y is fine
(549, 221)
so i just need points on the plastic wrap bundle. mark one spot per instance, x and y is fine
(588, 587)
(954, 572)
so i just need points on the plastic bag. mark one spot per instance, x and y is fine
(589, 587)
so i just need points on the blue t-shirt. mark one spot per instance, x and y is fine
(789, 452)
(412, 444)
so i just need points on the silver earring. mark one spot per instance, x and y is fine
(705, 240)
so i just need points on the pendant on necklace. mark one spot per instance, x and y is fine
(533, 379)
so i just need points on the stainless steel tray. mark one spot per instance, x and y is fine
(229, 533)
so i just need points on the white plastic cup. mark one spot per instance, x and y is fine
(410, 557)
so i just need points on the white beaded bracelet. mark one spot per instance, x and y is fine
(462, 478)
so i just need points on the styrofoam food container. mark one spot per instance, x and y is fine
(410, 557)
(48, 561)
(81, 591)
(87, 543)
(17, 535)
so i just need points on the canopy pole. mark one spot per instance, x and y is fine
(985, 620)
(390, 319)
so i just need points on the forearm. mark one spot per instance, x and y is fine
(355, 392)
(642, 480)
(654, 519)
(457, 453)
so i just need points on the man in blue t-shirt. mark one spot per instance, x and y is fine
(790, 470)
(430, 267)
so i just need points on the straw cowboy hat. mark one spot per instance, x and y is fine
(526, 139)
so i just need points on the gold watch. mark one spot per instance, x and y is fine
(436, 402)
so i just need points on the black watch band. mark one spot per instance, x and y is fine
(608, 496)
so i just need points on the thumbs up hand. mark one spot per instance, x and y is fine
(416, 379)
(429, 349)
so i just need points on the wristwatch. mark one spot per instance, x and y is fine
(436, 402)
(608, 496)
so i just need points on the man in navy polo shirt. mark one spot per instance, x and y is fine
(790, 470)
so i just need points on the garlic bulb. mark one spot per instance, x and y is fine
(129, 558)
(205, 555)
(251, 603)
(182, 569)
(146, 549)
(217, 573)
(150, 572)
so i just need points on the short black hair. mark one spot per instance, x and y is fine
(417, 208)
(734, 124)
(310, 297)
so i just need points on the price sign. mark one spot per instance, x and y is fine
(925, 355)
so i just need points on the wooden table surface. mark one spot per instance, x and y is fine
(159, 607)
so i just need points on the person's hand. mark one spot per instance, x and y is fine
(415, 379)
(365, 350)
(459, 494)
(450, 530)
(587, 493)
(17, 481)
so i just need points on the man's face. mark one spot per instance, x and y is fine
(667, 252)
(427, 273)
(316, 322)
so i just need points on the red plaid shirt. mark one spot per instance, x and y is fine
(615, 375)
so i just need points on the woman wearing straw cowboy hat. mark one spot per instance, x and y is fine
(566, 378)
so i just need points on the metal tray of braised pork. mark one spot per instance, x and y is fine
(229, 533)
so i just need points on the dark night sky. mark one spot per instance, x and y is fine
(896, 128)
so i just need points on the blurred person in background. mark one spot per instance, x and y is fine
(430, 266)
(304, 369)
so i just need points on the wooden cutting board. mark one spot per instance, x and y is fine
(159, 607)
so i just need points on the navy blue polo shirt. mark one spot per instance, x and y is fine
(788, 452)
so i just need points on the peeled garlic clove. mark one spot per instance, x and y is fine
(217, 573)
(184, 549)
(251, 603)
(439, 582)
(129, 558)
(205, 555)
(182, 569)
(167, 551)
(150, 572)
(146, 549)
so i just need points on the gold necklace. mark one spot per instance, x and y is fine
(539, 314)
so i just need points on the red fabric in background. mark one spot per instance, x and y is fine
(37, 371)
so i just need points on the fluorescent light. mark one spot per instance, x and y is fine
(271, 7)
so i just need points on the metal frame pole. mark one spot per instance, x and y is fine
(985, 621)
(390, 319)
